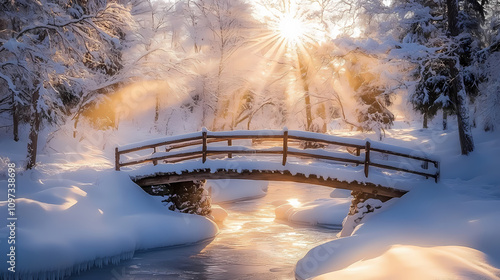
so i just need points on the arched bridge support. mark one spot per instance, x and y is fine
(373, 190)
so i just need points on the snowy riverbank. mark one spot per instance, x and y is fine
(75, 222)
(436, 231)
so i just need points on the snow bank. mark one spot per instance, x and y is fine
(321, 212)
(73, 222)
(436, 231)
(428, 216)
(416, 263)
(233, 190)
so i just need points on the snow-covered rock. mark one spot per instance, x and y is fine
(324, 212)
(218, 214)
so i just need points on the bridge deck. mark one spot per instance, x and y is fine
(335, 162)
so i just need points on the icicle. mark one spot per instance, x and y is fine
(62, 273)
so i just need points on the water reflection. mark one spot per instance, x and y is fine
(250, 245)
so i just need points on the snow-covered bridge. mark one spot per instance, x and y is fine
(359, 165)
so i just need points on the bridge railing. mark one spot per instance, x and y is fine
(357, 151)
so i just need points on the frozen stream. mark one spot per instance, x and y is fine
(250, 245)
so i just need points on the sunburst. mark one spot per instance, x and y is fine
(291, 29)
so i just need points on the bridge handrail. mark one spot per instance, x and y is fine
(205, 137)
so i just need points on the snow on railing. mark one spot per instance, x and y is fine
(196, 145)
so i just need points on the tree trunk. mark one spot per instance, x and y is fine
(35, 126)
(457, 87)
(15, 119)
(305, 84)
(75, 124)
(459, 98)
(307, 99)
(218, 96)
(425, 120)
(445, 119)
(157, 108)
(452, 11)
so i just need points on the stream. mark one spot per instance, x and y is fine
(251, 244)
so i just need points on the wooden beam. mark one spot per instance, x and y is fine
(305, 154)
(383, 166)
(192, 143)
(246, 136)
(155, 162)
(403, 155)
(117, 159)
(367, 158)
(204, 147)
(308, 139)
(207, 174)
(150, 146)
(285, 146)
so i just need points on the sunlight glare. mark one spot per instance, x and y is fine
(387, 3)
(294, 202)
(291, 29)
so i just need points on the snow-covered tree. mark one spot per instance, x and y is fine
(424, 44)
(57, 50)
(225, 28)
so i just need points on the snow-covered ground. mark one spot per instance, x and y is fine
(447, 230)
(75, 212)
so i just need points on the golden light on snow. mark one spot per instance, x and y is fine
(440, 262)
(294, 202)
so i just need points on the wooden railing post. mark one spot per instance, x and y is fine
(425, 165)
(358, 152)
(436, 164)
(155, 162)
(229, 144)
(367, 158)
(285, 145)
(204, 148)
(117, 159)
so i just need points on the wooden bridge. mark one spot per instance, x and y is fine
(276, 152)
